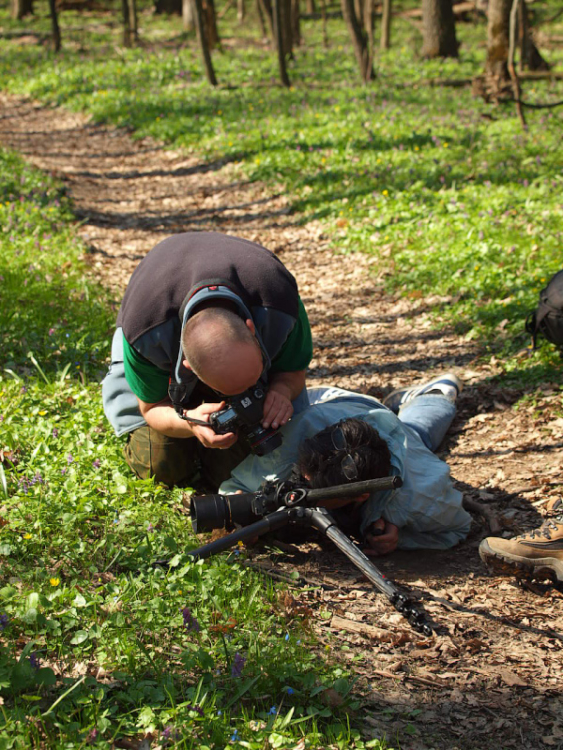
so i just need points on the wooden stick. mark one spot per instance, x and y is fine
(353, 626)
(482, 510)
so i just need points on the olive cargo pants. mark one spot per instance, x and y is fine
(180, 461)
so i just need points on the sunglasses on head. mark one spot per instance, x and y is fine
(348, 465)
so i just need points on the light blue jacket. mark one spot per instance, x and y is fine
(427, 508)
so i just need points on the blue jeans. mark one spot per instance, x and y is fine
(430, 415)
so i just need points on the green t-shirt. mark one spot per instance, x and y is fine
(150, 383)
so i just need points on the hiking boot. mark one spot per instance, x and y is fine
(537, 554)
(448, 385)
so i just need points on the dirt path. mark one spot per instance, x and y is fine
(492, 677)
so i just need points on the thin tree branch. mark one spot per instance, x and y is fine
(511, 68)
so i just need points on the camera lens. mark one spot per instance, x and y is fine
(222, 512)
(264, 441)
(209, 512)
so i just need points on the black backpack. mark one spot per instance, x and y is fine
(547, 318)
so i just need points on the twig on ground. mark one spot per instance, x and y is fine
(490, 517)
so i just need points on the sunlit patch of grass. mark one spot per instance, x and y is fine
(447, 191)
(97, 645)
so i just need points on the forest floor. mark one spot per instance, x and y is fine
(492, 676)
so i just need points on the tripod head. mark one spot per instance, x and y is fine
(227, 511)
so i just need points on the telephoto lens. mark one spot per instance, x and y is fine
(210, 512)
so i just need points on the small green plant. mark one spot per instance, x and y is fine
(96, 644)
(458, 205)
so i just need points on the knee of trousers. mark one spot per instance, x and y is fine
(172, 461)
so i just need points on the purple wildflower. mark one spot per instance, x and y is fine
(96, 464)
(63, 470)
(34, 660)
(238, 665)
(197, 709)
(91, 736)
(150, 528)
(55, 432)
(290, 691)
(26, 483)
(69, 458)
(23, 389)
(190, 622)
(166, 732)
(51, 331)
(4, 620)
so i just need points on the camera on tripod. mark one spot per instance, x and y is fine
(243, 415)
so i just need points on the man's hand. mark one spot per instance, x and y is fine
(206, 435)
(277, 407)
(381, 538)
(283, 388)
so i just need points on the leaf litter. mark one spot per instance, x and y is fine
(491, 676)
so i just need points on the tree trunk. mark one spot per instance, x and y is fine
(21, 8)
(56, 38)
(260, 14)
(168, 7)
(310, 7)
(296, 23)
(269, 13)
(369, 20)
(278, 36)
(385, 42)
(359, 40)
(438, 29)
(496, 65)
(188, 15)
(210, 24)
(129, 12)
(530, 56)
(202, 37)
(287, 28)
(133, 21)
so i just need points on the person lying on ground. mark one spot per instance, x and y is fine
(205, 315)
(344, 437)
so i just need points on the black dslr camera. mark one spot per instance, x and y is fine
(243, 415)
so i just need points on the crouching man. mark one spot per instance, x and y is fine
(345, 437)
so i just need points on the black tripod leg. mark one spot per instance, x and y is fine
(323, 521)
(269, 523)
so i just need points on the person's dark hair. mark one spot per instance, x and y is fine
(322, 462)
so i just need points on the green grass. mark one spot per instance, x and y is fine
(461, 209)
(94, 645)
(453, 198)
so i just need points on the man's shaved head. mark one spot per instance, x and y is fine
(222, 350)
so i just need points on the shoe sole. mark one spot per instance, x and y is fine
(522, 567)
(453, 380)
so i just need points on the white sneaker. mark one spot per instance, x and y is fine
(448, 385)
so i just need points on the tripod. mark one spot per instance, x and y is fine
(295, 506)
